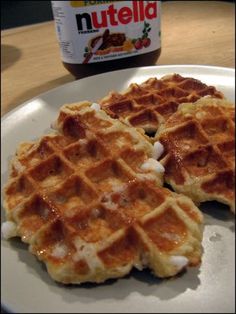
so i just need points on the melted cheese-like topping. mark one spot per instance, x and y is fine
(95, 106)
(9, 229)
(109, 203)
(158, 150)
(153, 165)
(179, 261)
(88, 252)
(60, 250)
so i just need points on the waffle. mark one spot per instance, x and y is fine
(87, 207)
(199, 142)
(150, 104)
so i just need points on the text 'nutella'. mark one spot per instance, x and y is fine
(99, 36)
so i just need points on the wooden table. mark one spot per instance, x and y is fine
(193, 32)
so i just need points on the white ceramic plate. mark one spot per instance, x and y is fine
(26, 286)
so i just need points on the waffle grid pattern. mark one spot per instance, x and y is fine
(150, 104)
(199, 141)
(82, 202)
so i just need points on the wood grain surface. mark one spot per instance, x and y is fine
(193, 32)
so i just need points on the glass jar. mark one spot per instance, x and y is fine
(101, 36)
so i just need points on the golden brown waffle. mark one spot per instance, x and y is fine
(151, 103)
(80, 198)
(199, 141)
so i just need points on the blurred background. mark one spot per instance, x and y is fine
(19, 13)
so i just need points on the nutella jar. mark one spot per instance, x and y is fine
(101, 36)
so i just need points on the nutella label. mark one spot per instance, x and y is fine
(96, 31)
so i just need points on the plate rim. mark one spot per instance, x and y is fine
(231, 71)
